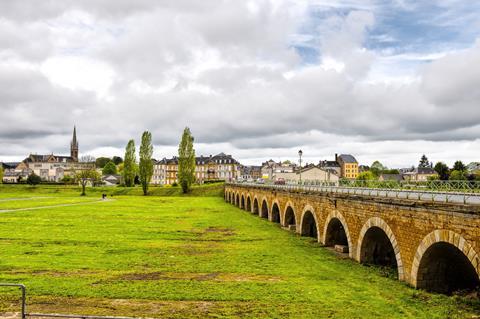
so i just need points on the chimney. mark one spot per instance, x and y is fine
(336, 157)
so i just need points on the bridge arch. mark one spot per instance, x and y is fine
(308, 223)
(377, 245)
(264, 208)
(242, 202)
(237, 200)
(275, 212)
(289, 217)
(445, 262)
(335, 231)
(249, 203)
(256, 209)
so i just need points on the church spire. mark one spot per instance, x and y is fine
(74, 146)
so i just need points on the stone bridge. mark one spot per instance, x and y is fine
(433, 246)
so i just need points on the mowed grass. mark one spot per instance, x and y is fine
(192, 257)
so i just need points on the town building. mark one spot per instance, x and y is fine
(271, 168)
(251, 172)
(52, 168)
(220, 167)
(348, 166)
(420, 174)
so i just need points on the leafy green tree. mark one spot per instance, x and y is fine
(442, 170)
(101, 162)
(145, 167)
(459, 166)
(109, 169)
(33, 179)
(186, 161)
(457, 176)
(391, 171)
(85, 176)
(1, 174)
(366, 176)
(377, 168)
(117, 160)
(424, 161)
(67, 179)
(129, 164)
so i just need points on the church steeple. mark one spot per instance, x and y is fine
(74, 146)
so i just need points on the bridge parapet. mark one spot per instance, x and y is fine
(431, 241)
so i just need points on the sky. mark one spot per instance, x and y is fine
(382, 80)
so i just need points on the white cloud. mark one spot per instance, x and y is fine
(227, 69)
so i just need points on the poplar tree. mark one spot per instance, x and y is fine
(129, 164)
(146, 164)
(186, 161)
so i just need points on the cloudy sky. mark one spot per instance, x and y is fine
(385, 80)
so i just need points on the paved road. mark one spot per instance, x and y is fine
(53, 206)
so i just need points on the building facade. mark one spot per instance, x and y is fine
(348, 166)
(207, 168)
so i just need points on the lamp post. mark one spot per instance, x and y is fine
(300, 153)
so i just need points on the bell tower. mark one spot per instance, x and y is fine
(74, 146)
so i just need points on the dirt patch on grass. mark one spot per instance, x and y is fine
(146, 308)
(221, 277)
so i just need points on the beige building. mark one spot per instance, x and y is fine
(420, 174)
(211, 168)
(310, 173)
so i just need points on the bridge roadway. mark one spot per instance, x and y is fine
(431, 239)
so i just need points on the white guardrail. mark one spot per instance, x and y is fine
(423, 195)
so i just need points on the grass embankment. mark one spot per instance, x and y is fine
(184, 257)
(22, 191)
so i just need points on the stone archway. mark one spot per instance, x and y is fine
(237, 200)
(289, 218)
(445, 262)
(335, 232)
(377, 245)
(275, 212)
(309, 224)
(264, 211)
(249, 204)
(242, 202)
(256, 210)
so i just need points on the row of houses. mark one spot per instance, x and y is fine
(344, 166)
(207, 168)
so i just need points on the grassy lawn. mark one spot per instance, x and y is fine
(192, 256)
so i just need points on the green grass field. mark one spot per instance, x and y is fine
(187, 257)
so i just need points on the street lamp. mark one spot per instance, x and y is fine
(300, 153)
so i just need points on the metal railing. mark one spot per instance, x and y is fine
(470, 198)
(24, 294)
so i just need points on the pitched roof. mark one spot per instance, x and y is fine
(347, 158)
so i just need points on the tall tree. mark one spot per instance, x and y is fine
(145, 168)
(109, 169)
(129, 164)
(186, 161)
(424, 161)
(459, 166)
(442, 170)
